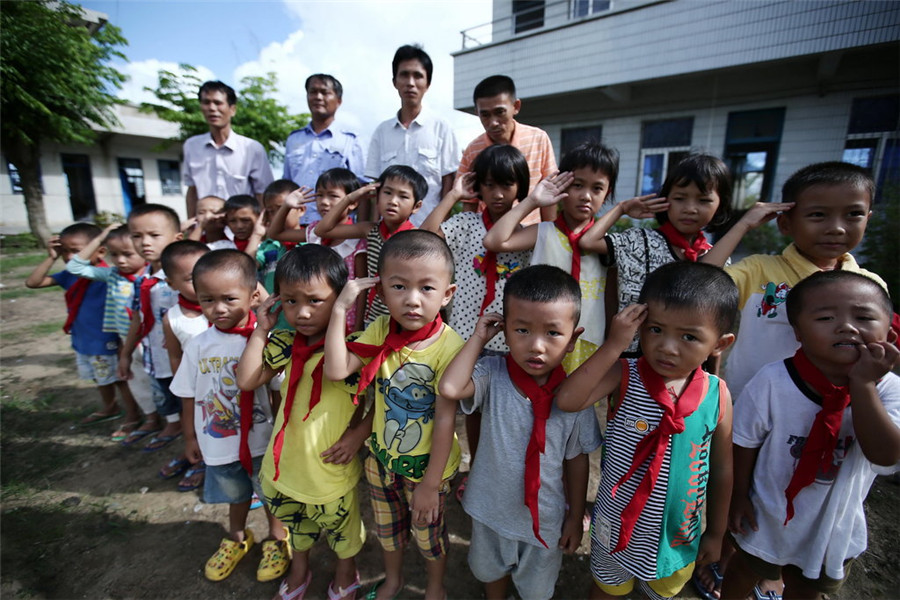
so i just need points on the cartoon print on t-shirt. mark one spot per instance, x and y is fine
(774, 295)
(409, 396)
(220, 408)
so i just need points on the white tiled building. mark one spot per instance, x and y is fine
(122, 169)
(770, 86)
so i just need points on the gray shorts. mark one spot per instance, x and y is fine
(230, 484)
(534, 569)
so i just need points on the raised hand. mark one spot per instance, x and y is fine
(464, 187)
(552, 189)
(266, 317)
(299, 197)
(347, 298)
(488, 325)
(763, 212)
(53, 247)
(644, 207)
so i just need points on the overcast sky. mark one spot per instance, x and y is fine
(353, 40)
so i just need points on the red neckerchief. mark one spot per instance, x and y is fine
(300, 353)
(489, 264)
(246, 399)
(330, 241)
(818, 451)
(541, 398)
(147, 318)
(185, 303)
(241, 244)
(132, 277)
(385, 236)
(895, 327)
(395, 340)
(692, 251)
(74, 297)
(573, 238)
(653, 446)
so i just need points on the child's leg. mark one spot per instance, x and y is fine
(496, 590)
(237, 520)
(739, 577)
(434, 588)
(108, 397)
(170, 410)
(433, 542)
(132, 411)
(392, 523)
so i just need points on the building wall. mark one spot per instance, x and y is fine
(664, 39)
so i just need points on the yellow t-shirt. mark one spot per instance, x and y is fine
(405, 393)
(303, 474)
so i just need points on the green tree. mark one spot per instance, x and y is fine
(55, 84)
(259, 116)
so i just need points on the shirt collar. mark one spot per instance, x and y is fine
(421, 119)
(230, 141)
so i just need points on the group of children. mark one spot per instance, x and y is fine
(265, 352)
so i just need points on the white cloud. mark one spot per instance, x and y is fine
(144, 73)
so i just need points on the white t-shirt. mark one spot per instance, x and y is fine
(206, 374)
(183, 327)
(829, 525)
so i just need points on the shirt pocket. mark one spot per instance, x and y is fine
(427, 164)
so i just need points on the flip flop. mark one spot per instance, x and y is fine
(176, 467)
(185, 485)
(137, 435)
(374, 591)
(98, 417)
(124, 430)
(698, 583)
(761, 595)
(160, 441)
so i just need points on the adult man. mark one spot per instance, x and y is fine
(222, 163)
(415, 136)
(322, 144)
(497, 106)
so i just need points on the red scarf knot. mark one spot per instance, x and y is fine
(241, 244)
(147, 318)
(818, 451)
(541, 398)
(74, 297)
(301, 351)
(395, 340)
(246, 399)
(573, 238)
(692, 251)
(489, 265)
(654, 445)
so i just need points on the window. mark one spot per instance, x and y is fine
(77, 171)
(575, 136)
(663, 144)
(872, 135)
(131, 176)
(528, 15)
(583, 8)
(170, 176)
(14, 179)
(751, 152)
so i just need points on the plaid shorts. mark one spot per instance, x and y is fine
(339, 520)
(391, 497)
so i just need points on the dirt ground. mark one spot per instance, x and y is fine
(82, 517)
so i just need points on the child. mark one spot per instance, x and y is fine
(119, 280)
(181, 323)
(310, 470)
(95, 350)
(208, 226)
(668, 435)
(695, 195)
(808, 434)
(588, 179)
(268, 249)
(414, 447)
(825, 211)
(331, 186)
(541, 309)
(400, 194)
(152, 227)
(226, 427)
(242, 213)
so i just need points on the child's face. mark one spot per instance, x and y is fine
(837, 318)
(307, 306)
(827, 221)
(497, 115)
(539, 334)
(328, 196)
(415, 290)
(396, 201)
(181, 279)
(211, 209)
(241, 222)
(586, 195)
(70, 245)
(690, 210)
(497, 197)
(676, 340)
(224, 298)
(151, 233)
(123, 256)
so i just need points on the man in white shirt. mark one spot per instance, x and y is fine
(222, 163)
(415, 136)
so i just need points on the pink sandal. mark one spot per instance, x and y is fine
(341, 593)
(298, 593)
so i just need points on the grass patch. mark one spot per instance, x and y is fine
(9, 263)
(24, 292)
(42, 329)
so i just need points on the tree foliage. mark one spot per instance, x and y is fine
(55, 84)
(259, 116)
